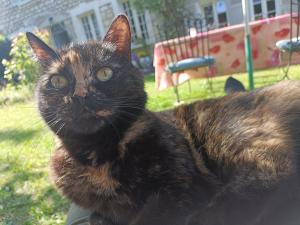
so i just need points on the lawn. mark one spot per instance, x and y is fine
(26, 194)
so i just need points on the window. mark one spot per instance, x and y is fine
(143, 26)
(222, 17)
(257, 7)
(128, 11)
(209, 15)
(107, 15)
(221, 12)
(90, 26)
(271, 8)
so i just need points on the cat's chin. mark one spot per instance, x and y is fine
(88, 129)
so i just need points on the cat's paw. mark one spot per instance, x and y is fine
(96, 219)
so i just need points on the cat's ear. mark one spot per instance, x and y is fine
(119, 35)
(43, 52)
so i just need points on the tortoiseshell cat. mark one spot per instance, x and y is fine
(222, 161)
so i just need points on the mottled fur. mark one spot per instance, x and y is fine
(220, 161)
(250, 142)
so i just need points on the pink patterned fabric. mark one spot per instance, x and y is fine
(227, 46)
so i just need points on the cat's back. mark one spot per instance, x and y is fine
(285, 95)
(258, 129)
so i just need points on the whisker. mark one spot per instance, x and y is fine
(62, 126)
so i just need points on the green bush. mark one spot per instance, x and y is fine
(4, 54)
(21, 69)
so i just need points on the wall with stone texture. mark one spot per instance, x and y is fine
(20, 15)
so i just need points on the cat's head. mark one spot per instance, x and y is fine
(89, 85)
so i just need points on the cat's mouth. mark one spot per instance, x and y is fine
(88, 121)
(85, 124)
(84, 121)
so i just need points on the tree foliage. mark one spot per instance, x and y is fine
(169, 14)
(163, 8)
(21, 69)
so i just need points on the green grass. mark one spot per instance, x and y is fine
(26, 196)
(11, 95)
(26, 193)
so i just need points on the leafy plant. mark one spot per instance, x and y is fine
(21, 69)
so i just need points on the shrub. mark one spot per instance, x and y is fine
(21, 69)
(5, 46)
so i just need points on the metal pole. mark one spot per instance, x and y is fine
(248, 48)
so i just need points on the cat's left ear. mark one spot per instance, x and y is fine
(119, 35)
(43, 52)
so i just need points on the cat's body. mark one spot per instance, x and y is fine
(152, 158)
(205, 163)
(250, 141)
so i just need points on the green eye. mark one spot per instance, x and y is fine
(58, 81)
(104, 74)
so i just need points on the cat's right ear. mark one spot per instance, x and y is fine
(43, 52)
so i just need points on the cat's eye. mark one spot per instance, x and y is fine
(58, 81)
(104, 74)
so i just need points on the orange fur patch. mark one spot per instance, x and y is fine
(79, 72)
(104, 113)
(101, 178)
(136, 129)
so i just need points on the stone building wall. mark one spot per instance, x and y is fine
(18, 15)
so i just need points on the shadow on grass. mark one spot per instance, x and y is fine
(21, 203)
(17, 136)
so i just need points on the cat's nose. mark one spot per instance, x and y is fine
(80, 89)
(80, 92)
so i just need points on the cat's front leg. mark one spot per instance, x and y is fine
(162, 211)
